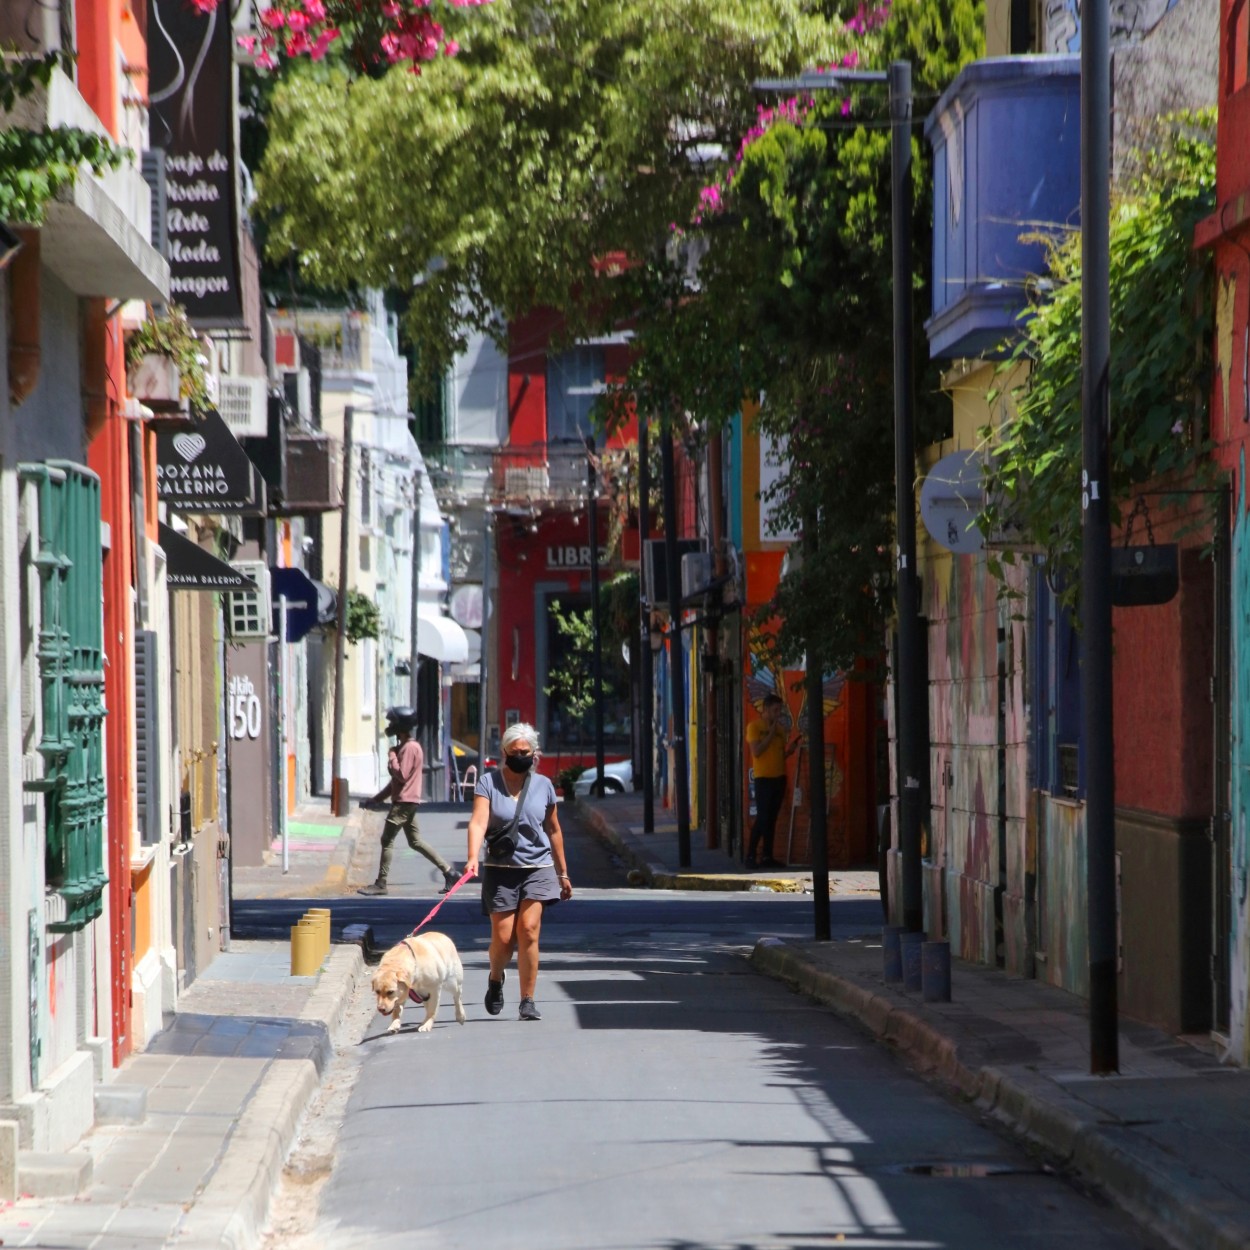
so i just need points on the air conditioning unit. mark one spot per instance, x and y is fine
(655, 568)
(314, 477)
(525, 481)
(248, 612)
(696, 574)
(244, 406)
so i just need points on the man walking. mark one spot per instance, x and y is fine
(766, 739)
(406, 764)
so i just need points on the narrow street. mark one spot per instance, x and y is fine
(670, 1097)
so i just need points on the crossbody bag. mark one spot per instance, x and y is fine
(502, 843)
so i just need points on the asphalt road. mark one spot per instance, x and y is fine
(671, 1098)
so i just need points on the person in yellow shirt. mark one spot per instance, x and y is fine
(766, 741)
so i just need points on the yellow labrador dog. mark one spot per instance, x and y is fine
(426, 964)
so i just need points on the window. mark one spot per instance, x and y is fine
(66, 551)
(575, 381)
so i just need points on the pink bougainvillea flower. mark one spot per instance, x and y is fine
(247, 43)
(297, 21)
(315, 10)
(275, 19)
(204, 6)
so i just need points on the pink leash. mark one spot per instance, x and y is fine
(412, 994)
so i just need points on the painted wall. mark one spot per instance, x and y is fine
(980, 861)
(849, 706)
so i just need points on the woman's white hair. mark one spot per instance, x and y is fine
(520, 732)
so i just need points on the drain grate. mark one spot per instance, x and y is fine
(960, 1171)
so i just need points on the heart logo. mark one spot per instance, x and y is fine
(188, 446)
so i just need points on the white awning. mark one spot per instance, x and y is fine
(442, 639)
(472, 669)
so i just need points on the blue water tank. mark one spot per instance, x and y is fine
(1006, 162)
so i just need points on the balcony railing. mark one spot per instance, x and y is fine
(520, 476)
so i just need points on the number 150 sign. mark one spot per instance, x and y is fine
(243, 709)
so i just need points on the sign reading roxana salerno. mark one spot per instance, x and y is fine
(191, 68)
(202, 468)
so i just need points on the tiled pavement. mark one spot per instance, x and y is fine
(216, 1097)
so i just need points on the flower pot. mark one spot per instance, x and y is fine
(155, 381)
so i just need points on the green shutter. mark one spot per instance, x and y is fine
(71, 674)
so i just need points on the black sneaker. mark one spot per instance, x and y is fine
(528, 1011)
(378, 887)
(449, 882)
(494, 994)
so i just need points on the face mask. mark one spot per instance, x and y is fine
(519, 763)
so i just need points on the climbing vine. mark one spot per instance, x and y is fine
(1161, 330)
(36, 164)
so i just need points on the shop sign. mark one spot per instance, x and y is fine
(571, 556)
(204, 470)
(190, 62)
(189, 567)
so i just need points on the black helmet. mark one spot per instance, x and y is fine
(400, 719)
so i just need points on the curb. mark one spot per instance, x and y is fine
(660, 877)
(344, 851)
(1147, 1189)
(233, 1207)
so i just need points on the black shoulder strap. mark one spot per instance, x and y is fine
(520, 800)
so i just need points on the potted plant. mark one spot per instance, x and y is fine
(565, 779)
(165, 364)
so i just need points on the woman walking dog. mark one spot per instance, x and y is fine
(523, 865)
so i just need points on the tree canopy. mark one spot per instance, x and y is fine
(564, 133)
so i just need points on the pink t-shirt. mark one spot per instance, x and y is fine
(406, 763)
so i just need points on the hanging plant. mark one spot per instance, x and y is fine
(36, 164)
(364, 620)
(169, 335)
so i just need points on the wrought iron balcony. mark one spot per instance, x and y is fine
(528, 476)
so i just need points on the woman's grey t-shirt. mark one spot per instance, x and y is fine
(533, 847)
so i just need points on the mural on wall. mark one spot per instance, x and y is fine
(1130, 19)
(765, 677)
(1239, 941)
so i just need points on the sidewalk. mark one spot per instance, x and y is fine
(617, 820)
(191, 1136)
(1168, 1138)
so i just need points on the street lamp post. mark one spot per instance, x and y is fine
(339, 791)
(596, 659)
(1096, 651)
(910, 675)
(646, 720)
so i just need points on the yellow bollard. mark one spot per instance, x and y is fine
(322, 916)
(305, 956)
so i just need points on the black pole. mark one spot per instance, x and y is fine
(592, 529)
(1098, 742)
(676, 667)
(339, 801)
(646, 694)
(910, 673)
(816, 798)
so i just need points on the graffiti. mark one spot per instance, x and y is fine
(1130, 20)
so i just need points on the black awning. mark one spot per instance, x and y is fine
(188, 567)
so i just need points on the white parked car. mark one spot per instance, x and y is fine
(617, 778)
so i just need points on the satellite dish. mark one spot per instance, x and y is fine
(951, 497)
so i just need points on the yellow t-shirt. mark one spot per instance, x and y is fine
(771, 762)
